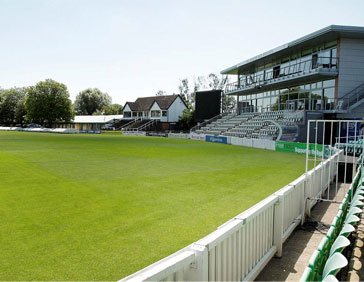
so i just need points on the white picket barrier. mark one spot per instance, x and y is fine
(176, 267)
(293, 200)
(240, 248)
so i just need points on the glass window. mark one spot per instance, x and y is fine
(316, 100)
(155, 113)
(127, 114)
(164, 113)
(329, 83)
(260, 102)
(266, 102)
(329, 94)
(135, 114)
(146, 114)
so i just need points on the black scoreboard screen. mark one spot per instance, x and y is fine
(207, 104)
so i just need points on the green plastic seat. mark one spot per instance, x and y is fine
(339, 245)
(347, 230)
(340, 219)
(330, 278)
(307, 275)
(336, 224)
(354, 211)
(334, 264)
(314, 264)
(357, 203)
(323, 248)
(359, 191)
(331, 236)
(344, 208)
(350, 193)
(358, 197)
(353, 219)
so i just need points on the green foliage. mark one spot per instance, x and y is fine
(99, 207)
(114, 109)
(90, 101)
(187, 120)
(48, 102)
(12, 109)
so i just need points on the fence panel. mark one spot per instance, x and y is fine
(293, 205)
(176, 267)
(240, 248)
(237, 248)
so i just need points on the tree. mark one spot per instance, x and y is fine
(114, 109)
(48, 102)
(160, 93)
(12, 110)
(187, 120)
(184, 90)
(212, 82)
(91, 100)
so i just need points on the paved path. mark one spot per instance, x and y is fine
(299, 247)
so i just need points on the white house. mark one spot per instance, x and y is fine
(163, 108)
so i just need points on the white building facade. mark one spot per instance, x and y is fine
(163, 108)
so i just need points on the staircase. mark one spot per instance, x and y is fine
(129, 124)
(352, 99)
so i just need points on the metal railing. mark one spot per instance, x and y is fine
(125, 126)
(308, 66)
(313, 104)
(353, 97)
(148, 124)
(202, 124)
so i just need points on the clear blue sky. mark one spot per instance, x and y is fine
(134, 48)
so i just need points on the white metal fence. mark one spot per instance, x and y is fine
(326, 137)
(240, 248)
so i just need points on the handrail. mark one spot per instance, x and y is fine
(146, 125)
(255, 80)
(129, 123)
(357, 93)
(198, 126)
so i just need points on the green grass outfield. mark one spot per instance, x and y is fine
(100, 207)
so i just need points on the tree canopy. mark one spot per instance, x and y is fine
(12, 110)
(90, 101)
(48, 102)
(114, 109)
(188, 88)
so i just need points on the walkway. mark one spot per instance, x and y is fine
(299, 247)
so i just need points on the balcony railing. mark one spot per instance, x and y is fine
(327, 104)
(305, 67)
